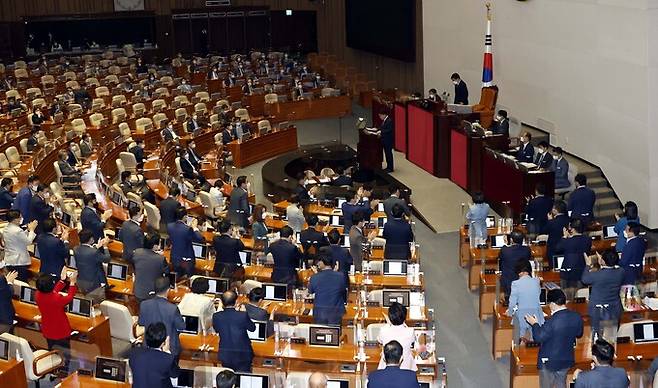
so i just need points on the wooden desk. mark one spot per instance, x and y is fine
(263, 147)
(76, 380)
(12, 374)
(94, 338)
(310, 109)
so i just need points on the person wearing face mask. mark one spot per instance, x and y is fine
(184, 87)
(90, 219)
(6, 194)
(298, 91)
(248, 88)
(16, 240)
(602, 374)
(192, 124)
(544, 159)
(53, 247)
(316, 82)
(556, 338)
(501, 124)
(86, 147)
(194, 158)
(604, 305)
(131, 234)
(71, 157)
(127, 86)
(304, 71)
(69, 173)
(561, 168)
(573, 245)
(37, 118)
(168, 133)
(526, 151)
(89, 259)
(213, 73)
(55, 107)
(228, 134)
(24, 196)
(433, 96)
(186, 165)
(632, 256)
(40, 210)
(461, 90)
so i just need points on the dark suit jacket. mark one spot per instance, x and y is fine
(161, 310)
(65, 168)
(525, 154)
(286, 259)
(182, 237)
(312, 238)
(73, 160)
(238, 209)
(557, 337)
(386, 128)
(232, 327)
(581, 203)
(90, 266)
(6, 199)
(168, 134)
(227, 250)
(139, 154)
(501, 128)
(22, 203)
(631, 259)
(85, 149)
(92, 221)
(555, 231)
(152, 367)
(544, 161)
(561, 173)
(302, 194)
(603, 377)
(461, 93)
(148, 267)
(194, 158)
(342, 256)
(392, 201)
(53, 253)
(342, 180)
(392, 377)
(188, 168)
(398, 235)
(349, 210)
(330, 294)
(574, 261)
(7, 313)
(605, 285)
(507, 259)
(168, 209)
(537, 211)
(39, 211)
(132, 237)
(192, 126)
(227, 137)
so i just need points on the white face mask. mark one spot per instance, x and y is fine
(626, 235)
(455, 82)
(46, 195)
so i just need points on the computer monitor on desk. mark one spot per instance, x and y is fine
(395, 296)
(28, 294)
(332, 383)
(275, 291)
(217, 286)
(191, 325)
(117, 271)
(324, 336)
(248, 380)
(200, 251)
(609, 232)
(185, 379)
(395, 267)
(4, 349)
(111, 369)
(498, 241)
(80, 306)
(259, 334)
(645, 332)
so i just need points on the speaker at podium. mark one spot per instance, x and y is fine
(369, 148)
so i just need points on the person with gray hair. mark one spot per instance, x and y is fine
(317, 380)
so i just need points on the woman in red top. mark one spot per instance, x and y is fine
(55, 325)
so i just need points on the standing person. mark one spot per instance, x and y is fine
(392, 376)
(558, 220)
(632, 256)
(461, 90)
(89, 218)
(537, 210)
(561, 168)
(339, 254)
(131, 234)
(24, 196)
(6, 194)
(149, 266)
(357, 203)
(387, 132)
(227, 250)
(198, 304)
(168, 208)
(477, 219)
(89, 260)
(581, 200)
(182, 236)
(16, 240)
(358, 239)
(52, 305)
(394, 199)
(630, 215)
(574, 246)
(295, 214)
(509, 256)
(7, 313)
(602, 374)
(604, 307)
(524, 300)
(397, 330)
(40, 210)
(151, 364)
(159, 309)
(287, 257)
(526, 151)
(329, 288)
(232, 326)
(556, 337)
(258, 227)
(398, 235)
(53, 249)
(312, 238)
(238, 210)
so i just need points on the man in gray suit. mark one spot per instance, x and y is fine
(603, 374)
(604, 306)
(394, 199)
(131, 234)
(89, 260)
(238, 210)
(357, 239)
(159, 309)
(149, 266)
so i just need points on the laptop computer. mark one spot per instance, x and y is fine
(111, 369)
(28, 295)
(191, 324)
(245, 257)
(395, 267)
(117, 271)
(381, 221)
(217, 285)
(185, 379)
(66, 219)
(172, 280)
(80, 306)
(337, 220)
(248, 380)
(543, 293)
(395, 296)
(4, 349)
(609, 232)
(324, 336)
(491, 221)
(200, 251)
(275, 291)
(260, 333)
(133, 204)
(645, 332)
(498, 241)
(380, 207)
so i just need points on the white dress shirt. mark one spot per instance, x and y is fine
(406, 337)
(16, 242)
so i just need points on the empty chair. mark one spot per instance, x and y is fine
(167, 80)
(47, 80)
(181, 114)
(143, 124)
(152, 215)
(159, 104)
(211, 207)
(38, 363)
(129, 161)
(242, 113)
(271, 98)
(135, 198)
(102, 91)
(123, 325)
(13, 156)
(112, 77)
(200, 108)
(69, 76)
(33, 92)
(21, 74)
(118, 100)
(23, 145)
(264, 126)
(114, 70)
(162, 92)
(92, 81)
(118, 115)
(139, 109)
(179, 170)
(5, 167)
(96, 119)
(182, 100)
(97, 104)
(203, 96)
(159, 119)
(214, 118)
(79, 126)
(73, 84)
(326, 92)
(297, 379)
(124, 130)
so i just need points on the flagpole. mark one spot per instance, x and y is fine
(487, 66)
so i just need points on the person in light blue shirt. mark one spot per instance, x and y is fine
(630, 215)
(477, 219)
(524, 299)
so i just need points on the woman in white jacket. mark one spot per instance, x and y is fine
(397, 330)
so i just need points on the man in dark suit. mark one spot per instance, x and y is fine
(633, 254)
(574, 245)
(301, 192)
(556, 337)
(387, 134)
(339, 254)
(138, 151)
(187, 167)
(341, 179)
(89, 218)
(159, 309)
(193, 157)
(329, 288)
(537, 210)
(398, 235)
(69, 172)
(258, 313)
(392, 376)
(461, 90)
(508, 258)
(86, 147)
(168, 208)
(526, 152)
(581, 200)
(602, 374)
(6, 194)
(394, 199)
(40, 210)
(152, 365)
(561, 168)
(501, 124)
(182, 236)
(604, 305)
(53, 250)
(557, 221)
(168, 133)
(192, 124)
(89, 260)
(544, 159)
(227, 250)
(131, 234)
(311, 239)
(7, 312)
(232, 326)
(227, 135)
(149, 266)
(354, 204)
(287, 257)
(23, 199)
(238, 209)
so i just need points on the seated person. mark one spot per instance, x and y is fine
(501, 124)
(544, 159)
(341, 179)
(184, 87)
(526, 151)
(257, 312)
(193, 125)
(37, 117)
(197, 304)
(69, 173)
(138, 151)
(33, 140)
(86, 146)
(537, 210)
(194, 158)
(6, 194)
(72, 158)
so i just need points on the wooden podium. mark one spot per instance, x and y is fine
(369, 151)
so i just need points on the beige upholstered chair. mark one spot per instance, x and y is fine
(203, 96)
(264, 126)
(39, 363)
(79, 126)
(242, 113)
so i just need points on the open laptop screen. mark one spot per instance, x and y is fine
(260, 333)
(646, 331)
(117, 271)
(200, 250)
(80, 306)
(277, 292)
(609, 232)
(498, 241)
(395, 296)
(324, 336)
(253, 381)
(395, 267)
(191, 324)
(338, 384)
(111, 369)
(4, 349)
